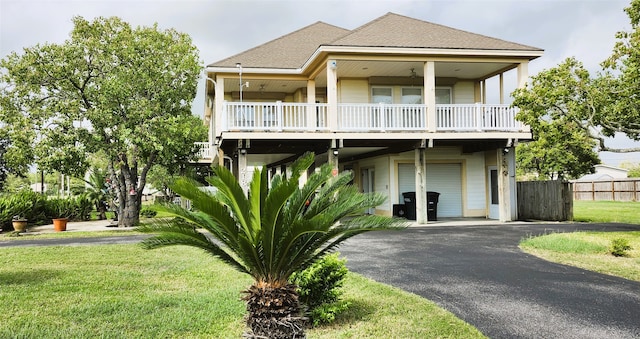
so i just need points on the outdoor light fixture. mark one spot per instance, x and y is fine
(239, 67)
(243, 151)
(335, 151)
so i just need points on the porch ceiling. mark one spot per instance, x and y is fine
(371, 68)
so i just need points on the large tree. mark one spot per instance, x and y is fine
(275, 229)
(111, 89)
(585, 107)
(554, 104)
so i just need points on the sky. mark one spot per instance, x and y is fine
(584, 29)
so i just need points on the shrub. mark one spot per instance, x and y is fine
(25, 203)
(148, 213)
(619, 247)
(319, 288)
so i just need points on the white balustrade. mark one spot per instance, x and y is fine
(381, 117)
(477, 117)
(300, 117)
(204, 150)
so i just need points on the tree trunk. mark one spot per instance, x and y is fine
(130, 213)
(274, 312)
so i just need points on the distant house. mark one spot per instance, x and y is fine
(37, 187)
(401, 102)
(605, 172)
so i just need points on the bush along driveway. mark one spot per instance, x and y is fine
(480, 274)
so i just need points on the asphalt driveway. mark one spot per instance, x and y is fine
(479, 274)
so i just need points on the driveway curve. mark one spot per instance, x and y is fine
(480, 274)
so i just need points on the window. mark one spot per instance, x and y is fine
(443, 96)
(381, 95)
(412, 96)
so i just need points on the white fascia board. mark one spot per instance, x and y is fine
(234, 70)
(530, 54)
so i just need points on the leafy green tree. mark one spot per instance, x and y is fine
(622, 109)
(566, 106)
(109, 89)
(554, 105)
(274, 230)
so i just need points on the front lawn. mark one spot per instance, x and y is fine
(588, 250)
(606, 211)
(123, 291)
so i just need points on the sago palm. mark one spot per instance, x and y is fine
(271, 232)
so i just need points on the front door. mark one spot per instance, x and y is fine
(368, 184)
(494, 204)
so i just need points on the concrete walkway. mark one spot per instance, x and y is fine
(480, 274)
(79, 226)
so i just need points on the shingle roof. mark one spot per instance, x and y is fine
(393, 30)
(291, 51)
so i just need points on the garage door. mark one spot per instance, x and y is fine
(443, 178)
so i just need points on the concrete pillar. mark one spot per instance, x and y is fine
(332, 156)
(332, 94)
(430, 94)
(243, 175)
(421, 185)
(507, 184)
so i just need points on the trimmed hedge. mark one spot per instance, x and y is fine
(38, 210)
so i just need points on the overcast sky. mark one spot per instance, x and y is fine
(221, 28)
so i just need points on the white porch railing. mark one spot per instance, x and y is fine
(204, 150)
(477, 117)
(275, 116)
(301, 117)
(381, 117)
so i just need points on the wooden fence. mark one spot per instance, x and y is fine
(545, 200)
(613, 190)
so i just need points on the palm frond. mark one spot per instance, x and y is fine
(175, 233)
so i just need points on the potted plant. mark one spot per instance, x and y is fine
(63, 212)
(19, 223)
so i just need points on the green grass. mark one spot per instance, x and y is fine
(588, 250)
(606, 211)
(117, 291)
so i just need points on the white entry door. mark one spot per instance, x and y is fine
(494, 203)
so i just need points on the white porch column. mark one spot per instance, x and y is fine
(523, 73)
(311, 109)
(219, 106)
(484, 91)
(332, 94)
(430, 94)
(501, 78)
(421, 185)
(507, 184)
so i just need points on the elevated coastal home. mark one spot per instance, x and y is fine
(399, 101)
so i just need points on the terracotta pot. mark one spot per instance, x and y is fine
(60, 224)
(19, 225)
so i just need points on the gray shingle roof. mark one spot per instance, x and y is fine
(393, 30)
(291, 51)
